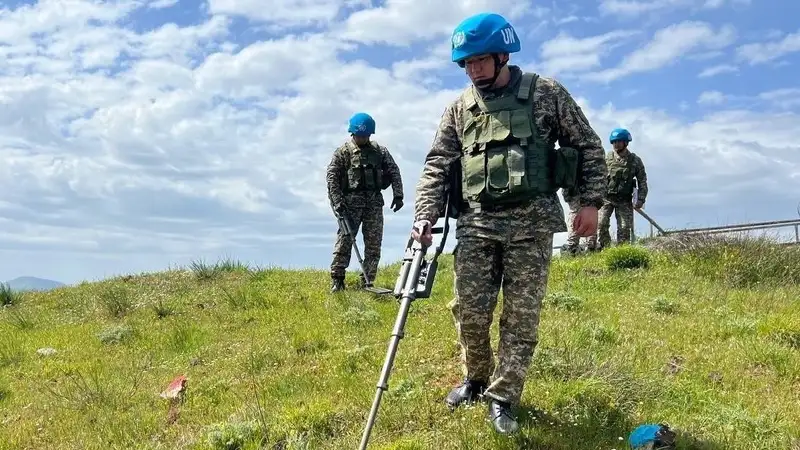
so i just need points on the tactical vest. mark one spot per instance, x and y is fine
(620, 175)
(365, 168)
(504, 158)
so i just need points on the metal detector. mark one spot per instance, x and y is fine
(414, 281)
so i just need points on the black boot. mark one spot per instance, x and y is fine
(569, 250)
(337, 283)
(503, 420)
(466, 392)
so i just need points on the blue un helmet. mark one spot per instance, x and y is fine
(361, 124)
(620, 134)
(652, 436)
(480, 34)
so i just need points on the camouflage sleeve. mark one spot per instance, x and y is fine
(393, 170)
(336, 170)
(641, 178)
(445, 150)
(576, 132)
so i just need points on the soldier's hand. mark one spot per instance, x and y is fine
(421, 232)
(585, 223)
(638, 205)
(397, 203)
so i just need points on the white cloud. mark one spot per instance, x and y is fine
(162, 4)
(717, 70)
(787, 98)
(565, 53)
(667, 46)
(760, 53)
(711, 98)
(633, 8)
(129, 150)
(280, 13)
(720, 155)
(401, 22)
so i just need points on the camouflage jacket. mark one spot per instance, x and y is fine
(337, 176)
(558, 119)
(622, 170)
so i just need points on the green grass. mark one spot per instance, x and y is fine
(704, 337)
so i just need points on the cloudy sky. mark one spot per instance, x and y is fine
(139, 134)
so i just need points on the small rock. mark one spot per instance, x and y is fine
(674, 365)
(47, 351)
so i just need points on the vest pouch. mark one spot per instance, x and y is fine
(370, 173)
(520, 122)
(474, 175)
(365, 173)
(565, 167)
(515, 163)
(505, 167)
(500, 125)
(621, 182)
(470, 132)
(497, 171)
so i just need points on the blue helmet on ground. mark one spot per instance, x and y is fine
(652, 436)
(361, 124)
(480, 34)
(620, 134)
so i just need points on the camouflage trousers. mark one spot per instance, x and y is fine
(572, 237)
(623, 212)
(369, 219)
(482, 266)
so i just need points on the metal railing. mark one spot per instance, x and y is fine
(654, 226)
(793, 223)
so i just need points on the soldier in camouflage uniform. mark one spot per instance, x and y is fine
(503, 130)
(625, 169)
(359, 170)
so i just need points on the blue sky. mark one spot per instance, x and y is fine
(138, 135)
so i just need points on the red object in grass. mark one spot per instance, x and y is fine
(176, 388)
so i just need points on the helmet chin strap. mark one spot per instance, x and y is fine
(498, 66)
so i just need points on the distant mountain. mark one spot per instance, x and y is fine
(33, 284)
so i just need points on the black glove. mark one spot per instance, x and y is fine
(397, 203)
(340, 210)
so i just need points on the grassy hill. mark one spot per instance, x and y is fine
(704, 336)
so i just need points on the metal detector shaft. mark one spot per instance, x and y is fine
(650, 219)
(415, 280)
(347, 227)
(408, 296)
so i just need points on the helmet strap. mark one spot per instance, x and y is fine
(498, 66)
